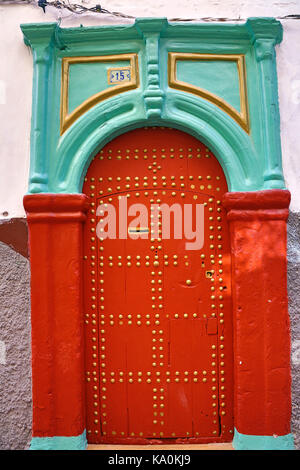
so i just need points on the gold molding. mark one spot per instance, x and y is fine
(66, 118)
(242, 117)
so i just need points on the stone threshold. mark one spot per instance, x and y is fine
(213, 446)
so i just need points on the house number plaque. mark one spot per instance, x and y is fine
(119, 75)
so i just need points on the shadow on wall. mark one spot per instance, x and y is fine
(14, 233)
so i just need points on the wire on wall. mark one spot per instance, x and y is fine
(82, 9)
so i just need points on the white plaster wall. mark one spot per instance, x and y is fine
(16, 77)
(288, 69)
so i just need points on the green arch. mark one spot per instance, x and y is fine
(250, 162)
(205, 121)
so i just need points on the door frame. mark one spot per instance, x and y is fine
(257, 210)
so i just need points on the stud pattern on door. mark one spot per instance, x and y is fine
(158, 326)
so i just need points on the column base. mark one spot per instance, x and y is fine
(249, 442)
(59, 443)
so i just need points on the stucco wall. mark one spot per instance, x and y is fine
(15, 112)
(15, 350)
(294, 308)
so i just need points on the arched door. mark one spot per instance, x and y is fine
(157, 311)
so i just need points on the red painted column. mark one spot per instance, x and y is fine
(260, 308)
(55, 244)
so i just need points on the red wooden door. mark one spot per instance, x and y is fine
(157, 315)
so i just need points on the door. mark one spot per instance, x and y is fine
(157, 311)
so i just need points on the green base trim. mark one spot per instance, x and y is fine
(250, 442)
(59, 443)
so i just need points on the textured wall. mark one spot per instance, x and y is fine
(294, 310)
(15, 350)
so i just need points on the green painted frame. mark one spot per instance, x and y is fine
(250, 161)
